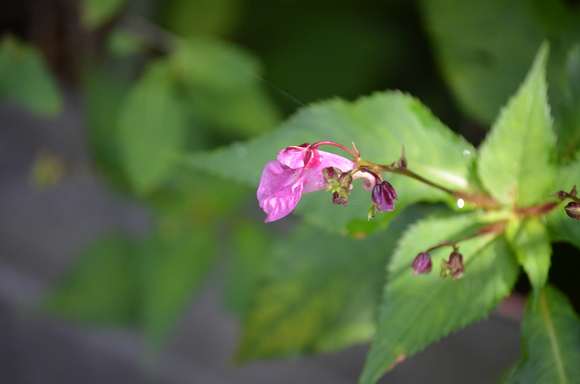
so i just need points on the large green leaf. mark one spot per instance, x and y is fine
(568, 125)
(551, 342)
(560, 226)
(26, 79)
(531, 245)
(173, 264)
(319, 293)
(484, 48)
(380, 125)
(418, 310)
(515, 159)
(101, 287)
(151, 127)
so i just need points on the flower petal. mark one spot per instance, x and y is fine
(293, 157)
(280, 190)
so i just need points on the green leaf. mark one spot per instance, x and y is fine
(121, 43)
(568, 125)
(380, 125)
(223, 85)
(104, 94)
(202, 17)
(319, 293)
(151, 127)
(551, 341)
(101, 288)
(26, 79)
(484, 48)
(174, 263)
(213, 63)
(515, 159)
(418, 310)
(252, 250)
(94, 13)
(531, 245)
(560, 226)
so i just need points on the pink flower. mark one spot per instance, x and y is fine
(298, 170)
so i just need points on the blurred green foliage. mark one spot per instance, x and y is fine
(168, 82)
(25, 78)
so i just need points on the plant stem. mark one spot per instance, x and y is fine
(497, 228)
(484, 201)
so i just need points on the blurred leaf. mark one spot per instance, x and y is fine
(380, 125)
(26, 79)
(207, 197)
(418, 310)
(252, 249)
(224, 89)
(174, 264)
(515, 159)
(551, 341)
(215, 64)
(152, 126)
(531, 245)
(94, 13)
(202, 17)
(104, 94)
(560, 226)
(121, 43)
(568, 126)
(101, 288)
(319, 293)
(485, 47)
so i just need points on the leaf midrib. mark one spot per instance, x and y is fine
(552, 337)
(523, 153)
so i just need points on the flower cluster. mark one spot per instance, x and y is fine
(305, 168)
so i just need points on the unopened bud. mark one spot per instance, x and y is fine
(454, 267)
(383, 196)
(422, 263)
(573, 210)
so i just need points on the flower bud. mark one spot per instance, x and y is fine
(422, 263)
(573, 210)
(383, 196)
(454, 267)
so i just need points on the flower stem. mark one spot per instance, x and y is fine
(400, 167)
(353, 152)
(497, 228)
(484, 201)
